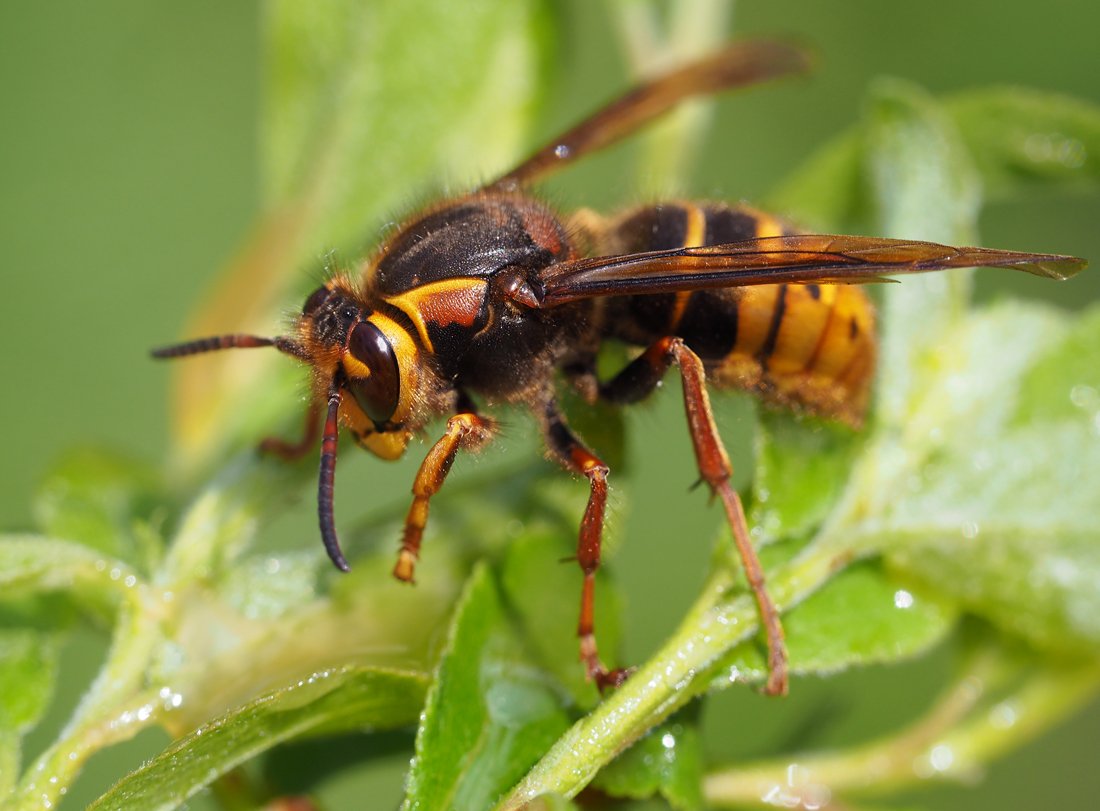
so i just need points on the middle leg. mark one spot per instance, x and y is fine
(574, 456)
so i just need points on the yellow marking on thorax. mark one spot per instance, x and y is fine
(451, 301)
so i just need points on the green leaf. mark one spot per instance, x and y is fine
(368, 99)
(28, 674)
(28, 668)
(1022, 138)
(490, 712)
(1064, 381)
(216, 529)
(997, 700)
(667, 762)
(865, 616)
(923, 186)
(102, 501)
(329, 701)
(801, 469)
(31, 564)
(1004, 517)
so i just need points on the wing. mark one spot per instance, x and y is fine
(799, 259)
(738, 65)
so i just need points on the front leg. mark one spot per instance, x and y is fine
(291, 451)
(574, 456)
(464, 430)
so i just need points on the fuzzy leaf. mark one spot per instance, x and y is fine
(864, 617)
(30, 564)
(1004, 515)
(329, 701)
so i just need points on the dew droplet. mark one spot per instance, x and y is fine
(941, 757)
(1085, 397)
(1003, 715)
(561, 151)
(903, 599)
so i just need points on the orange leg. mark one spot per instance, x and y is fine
(574, 456)
(295, 450)
(637, 380)
(465, 430)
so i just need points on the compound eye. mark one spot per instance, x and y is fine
(377, 393)
(315, 300)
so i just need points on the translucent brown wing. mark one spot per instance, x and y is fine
(738, 65)
(801, 258)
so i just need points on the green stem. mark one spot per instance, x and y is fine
(957, 735)
(114, 709)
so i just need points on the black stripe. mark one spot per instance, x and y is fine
(773, 329)
(726, 224)
(654, 228)
(709, 323)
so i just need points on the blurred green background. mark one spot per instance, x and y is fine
(128, 175)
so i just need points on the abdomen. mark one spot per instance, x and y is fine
(806, 346)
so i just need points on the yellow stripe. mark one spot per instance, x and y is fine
(767, 225)
(695, 235)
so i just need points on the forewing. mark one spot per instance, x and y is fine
(799, 259)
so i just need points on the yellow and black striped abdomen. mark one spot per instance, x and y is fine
(806, 346)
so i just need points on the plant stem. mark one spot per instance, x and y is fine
(114, 709)
(950, 742)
